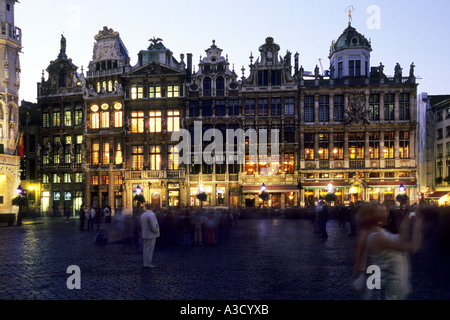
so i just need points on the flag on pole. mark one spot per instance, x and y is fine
(21, 145)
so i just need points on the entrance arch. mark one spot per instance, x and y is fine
(156, 200)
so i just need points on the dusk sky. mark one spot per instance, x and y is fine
(403, 31)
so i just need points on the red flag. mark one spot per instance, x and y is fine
(21, 145)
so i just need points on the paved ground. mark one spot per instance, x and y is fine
(256, 260)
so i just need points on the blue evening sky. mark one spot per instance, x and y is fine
(408, 31)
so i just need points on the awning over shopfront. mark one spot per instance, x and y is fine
(324, 185)
(392, 184)
(271, 189)
(437, 195)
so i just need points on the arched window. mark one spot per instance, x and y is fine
(207, 87)
(118, 115)
(105, 116)
(220, 87)
(95, 117)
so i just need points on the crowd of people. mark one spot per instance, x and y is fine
(94, 216)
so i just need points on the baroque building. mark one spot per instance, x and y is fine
(350, 130)
(10, 47)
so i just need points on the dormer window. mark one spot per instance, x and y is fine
(220, 68)
(220, 87)
(173, 90)
(354, 68)
(207, 87)
(263, 78)
(206, 69)
(62, 79)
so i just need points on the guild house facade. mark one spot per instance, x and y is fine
(106, 135)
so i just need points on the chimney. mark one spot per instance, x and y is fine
(189, 67)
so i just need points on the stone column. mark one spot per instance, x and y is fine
(302, 108)
(397, 107)
(316, 108)
(331, 114)
(381, 106)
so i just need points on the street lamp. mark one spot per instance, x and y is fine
(19, 190)
(263, 187)
(138, 190)
(401, 188)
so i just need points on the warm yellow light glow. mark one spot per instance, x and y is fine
(31, 188)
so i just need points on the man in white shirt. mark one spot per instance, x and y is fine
(150, 231)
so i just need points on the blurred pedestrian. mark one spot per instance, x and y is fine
(150, 231)
(82, 217)
(198, 224)
(323, 219)
(377, 246)
(91, 216)
(186, 228)
(107, 214)
(98, 218)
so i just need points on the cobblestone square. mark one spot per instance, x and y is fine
(273, 259)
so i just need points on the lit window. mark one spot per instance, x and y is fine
(119, 155)
(56, 178)
(118, 179)
(105, 119)
(155, 158)
(173, 91)
(106, 153)
(137, 157)
(155, 121)
(94, 180)
(404, 144)
(110, 86)
(118, 119)
(105, 179)
(78, 177)
(95, 120)
(56, 119)
(133, 92)
(45, 120)
(45, 178)
(154, 91)
(95, 152)
(173, 156)
(78, 117)
(67, 178)
(173, 120)
(99, 88)
(289, 163)
(250, 164)
(67, 118)
(137, 122)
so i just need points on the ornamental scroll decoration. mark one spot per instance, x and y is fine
(356, 112)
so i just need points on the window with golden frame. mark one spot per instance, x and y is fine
(173, 120)
(155, 121)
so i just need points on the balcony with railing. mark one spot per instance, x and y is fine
(155, 174)
(10, 31)
(389, 163)
(357, 164)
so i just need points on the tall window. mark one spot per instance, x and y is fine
(56, 178)
(118, 115)
(155, 158)
(173, 158)
(67, 118)
(289, 134)
(56, 146)
(95, 154)
(338, 149)
(45, 120)
(233, 107)
(250, 107)
(389, 103)
(119, 154)
(404, 106)
(220, 87)
(45, 178)
(389, 143)
(207, 108)
(78, 117)
(105, 119)
(309, 109)
(324, 108)
(67, 178)
(374, 107)
(137, 122)
(338, 108)
(356, 143)
(106, 153)
(220, 108)
(275, 78)
(289, 107)
(173, 90)
(374, 145)
(324, 146)
(173, 120)
(207, 87)
(95, 118)
(137, 157)
(78, 177)
(354, 68)
(134, 92)
(289, 163)
(155, 120)
(340, 69)
(263, 77)
(275, 107)
(263, 107)
(154, 91)
(194, 109)
(404, 144)
(94, 180)
(309, 141)
(56, 119)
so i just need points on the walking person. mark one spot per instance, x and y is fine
(98, 218)
(91, 216)
(82, 217)
(150, 231)
(107, 214)
(323, 219)
(377, 246)
(198, 224)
